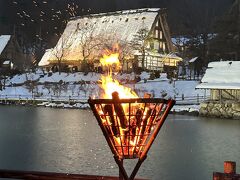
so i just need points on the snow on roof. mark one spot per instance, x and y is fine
(124, 24)
(218, 86)
(221, 75)
(193, 59)
(7, 62)
(4, 41)
(46, 57)
(119, 26)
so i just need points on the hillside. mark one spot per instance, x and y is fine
(45, 20)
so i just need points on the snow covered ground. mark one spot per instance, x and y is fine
(80, 87)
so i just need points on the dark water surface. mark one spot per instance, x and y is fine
(59, 140)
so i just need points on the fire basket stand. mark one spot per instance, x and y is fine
(130, 126)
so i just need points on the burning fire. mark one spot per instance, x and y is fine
(110, 85)
(127, 124)
(109, 60)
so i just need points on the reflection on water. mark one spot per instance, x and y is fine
(58, 140)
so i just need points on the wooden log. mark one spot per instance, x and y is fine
(139, 115)
(108, 110)
(144, 129)
(137, 123)
(119, 110)
(152, 117)
(145, 122)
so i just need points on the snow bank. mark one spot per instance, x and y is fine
(20, 79)
(161, 87)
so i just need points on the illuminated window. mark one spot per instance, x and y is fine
(156, 33)
(161, 35)
(164, 47)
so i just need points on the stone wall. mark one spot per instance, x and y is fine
(225, 109)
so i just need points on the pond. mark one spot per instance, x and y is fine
(66, 140)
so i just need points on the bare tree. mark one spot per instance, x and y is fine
(126, 52)
(89, 43)
(114, 44)
(61, 51)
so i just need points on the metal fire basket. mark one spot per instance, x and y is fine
(130, 126)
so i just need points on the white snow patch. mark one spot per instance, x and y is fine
(222, 75)
(3, 42)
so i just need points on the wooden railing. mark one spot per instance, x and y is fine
(180, 100)
(188, 100)
(33, 175)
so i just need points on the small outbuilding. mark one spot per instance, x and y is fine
(11, 55)
(222, 79)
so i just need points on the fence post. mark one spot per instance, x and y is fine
(197, 98)
(229, 172)
(230, 167)
(182, 96)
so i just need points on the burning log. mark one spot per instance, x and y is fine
(142, 128)
(145, 121)
(150, 123)
(119, 110)
(108, 110)
(139, 115)
(137, 123)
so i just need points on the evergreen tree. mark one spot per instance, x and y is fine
(226, 44)
(140, 42)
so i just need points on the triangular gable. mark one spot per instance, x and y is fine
(4, 39)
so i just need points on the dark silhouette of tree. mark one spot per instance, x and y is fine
(226, 44)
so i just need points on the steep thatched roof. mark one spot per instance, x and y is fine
(89, 31)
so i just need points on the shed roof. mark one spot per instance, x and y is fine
(193, 59)
(221, 75)
(3, 42)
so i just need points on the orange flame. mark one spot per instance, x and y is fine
(130, 136)
(109, 85)
(109, 60)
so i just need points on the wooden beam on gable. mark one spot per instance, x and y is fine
(166, 30)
